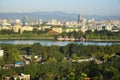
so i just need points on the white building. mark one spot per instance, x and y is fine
(24, 77)
(54, 22)
(57, 29)
(26, 28)
(71, 23)
(1, 53)
(17, 77)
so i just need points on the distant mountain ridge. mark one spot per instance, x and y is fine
(62, 16)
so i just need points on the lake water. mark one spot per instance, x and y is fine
(59, 43)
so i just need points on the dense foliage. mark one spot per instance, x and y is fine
(56, 67)
(103, 34)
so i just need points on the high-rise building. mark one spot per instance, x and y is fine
(80, 18)
(39, 22)
(18, 22)
(25, 21)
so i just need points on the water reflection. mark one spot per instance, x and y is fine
(59, 43)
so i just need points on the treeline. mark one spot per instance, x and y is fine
(8, 32)
(102, 34)
(54, 66)
(35, 34)
(34, 31)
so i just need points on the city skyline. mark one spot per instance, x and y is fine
(86, 7)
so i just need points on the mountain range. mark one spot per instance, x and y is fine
(61, 16)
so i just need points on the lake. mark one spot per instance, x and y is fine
(59, 43)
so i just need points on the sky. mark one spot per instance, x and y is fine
(84, 7)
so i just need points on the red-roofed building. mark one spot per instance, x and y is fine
(53, 31)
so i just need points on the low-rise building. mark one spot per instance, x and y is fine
(19, 64)
(26, 28)
(5, 27)
(44, 27)
(1, 52)
(16, 28)
(17, 77)
(55, 22)
(71, 23)
(71, 29)
(24, 77)
(57, 29)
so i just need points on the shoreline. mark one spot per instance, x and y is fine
(102, 40)
(28, 38)
(53, 39)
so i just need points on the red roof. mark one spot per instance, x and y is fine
(52, 31)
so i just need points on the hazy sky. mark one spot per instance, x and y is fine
(84, 7)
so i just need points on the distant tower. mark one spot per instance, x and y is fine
(18, 22)
(79, 18)
(25, 21)
(39, 22)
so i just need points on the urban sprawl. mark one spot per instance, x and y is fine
(81, 24)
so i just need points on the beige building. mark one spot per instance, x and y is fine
(44, 27)
(26, 28)
(6, 27)
(83, 29)
(109, 27)
(57, 29)
(17, 77)
(24, 77)
(16, 28)
(71, 29)
(71, 23)
(1, 53)
(55, 22)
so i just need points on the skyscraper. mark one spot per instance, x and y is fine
(25, 21)
(80, 18)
